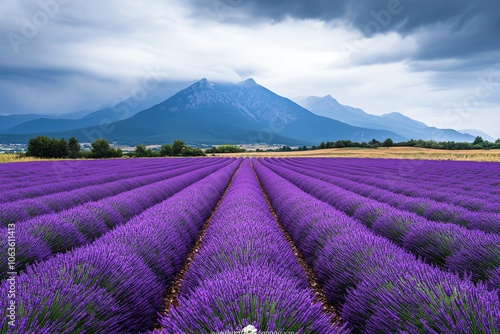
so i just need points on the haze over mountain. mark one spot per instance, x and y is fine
(9, 121)
(145, 98)
(404, 126)
(217, 113)
(479, 133)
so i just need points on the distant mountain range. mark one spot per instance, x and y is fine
(207, 113)
(481, 134)
(7, 122)
(404, 126)
(214, 113)
(32, 123)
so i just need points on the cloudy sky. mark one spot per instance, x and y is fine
(437, 62)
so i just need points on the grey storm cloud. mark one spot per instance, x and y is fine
(43, 74)
(419, 57)
(405, 15)
(444, 28)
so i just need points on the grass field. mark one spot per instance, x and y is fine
(15, 158)
(387, 153)
(384, 153)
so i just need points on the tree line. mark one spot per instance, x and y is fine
(47, 148)
(478, 144)
(44, 147)
(225, 149)
(177, 149)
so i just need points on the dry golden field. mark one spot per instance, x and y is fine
(15, 158)
(384, 153)
(387, 153)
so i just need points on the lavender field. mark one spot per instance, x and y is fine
(214, 245)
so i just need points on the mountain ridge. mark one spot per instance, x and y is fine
(120, 110)
(215, 113)
(404, 126)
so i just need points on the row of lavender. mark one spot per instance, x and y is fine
(416, 188)
(245, 274)
(116, 284)
(41, 237)
(17, 172)
(377, 286)
(39, 173)
(452, 247)
(25, 209)
(467, 180)
(449, 172)
(87, 174)
(425, 207)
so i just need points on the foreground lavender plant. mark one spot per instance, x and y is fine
(448, 245)
(24, 209)
(425, 207)
(472, 188)
(116, 284)
(83, 224)
(50, 178)
(379, 287)
(245, 273)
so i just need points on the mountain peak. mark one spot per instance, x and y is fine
(401, 117)
(249, 83)
(325, 101)
(202, 82)
(319, 99)
(201, 86)
(329, 97)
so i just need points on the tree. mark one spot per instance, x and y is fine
(100, 149)
(73, 148)
(166, 150)
(140, 151)
(39, 147)
(285, 148)
(116, 153)
(339, 144)
(192, 152)
(60, 148)
(388, 143)
(478, 141)
(177, 147)
(225, 149)
(497, 144)
(44, 147)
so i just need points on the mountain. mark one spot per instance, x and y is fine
(125, 109)
(481, 134)
(47, 125)
(404, 126)
(217, 113)
(9, 121)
